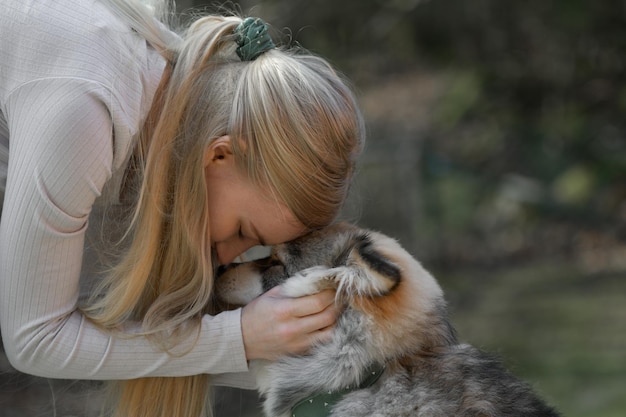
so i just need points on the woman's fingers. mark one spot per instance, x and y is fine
(274, 325)
(306, 305)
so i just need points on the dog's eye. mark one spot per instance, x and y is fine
(266, 263)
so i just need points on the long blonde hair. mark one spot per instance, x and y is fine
(296, 131)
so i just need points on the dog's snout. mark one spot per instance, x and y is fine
(223, 268)
(261, 265)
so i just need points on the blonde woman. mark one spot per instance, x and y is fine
(215, 139)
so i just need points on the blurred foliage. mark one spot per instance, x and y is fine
(560, 328)
(540, 85)
(497, 144)
(527, 130)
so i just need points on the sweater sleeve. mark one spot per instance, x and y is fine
(61, 154)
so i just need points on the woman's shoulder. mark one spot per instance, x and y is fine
(84, 45)
(79, 39)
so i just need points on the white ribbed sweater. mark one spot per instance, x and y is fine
(72, 78)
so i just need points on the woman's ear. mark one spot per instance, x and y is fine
(219, 150)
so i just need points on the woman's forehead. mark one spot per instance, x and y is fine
(276, 224)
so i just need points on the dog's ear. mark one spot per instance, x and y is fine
(366, 263)
(368, 270)
(363, 268)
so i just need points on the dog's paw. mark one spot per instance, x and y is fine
(310, 281)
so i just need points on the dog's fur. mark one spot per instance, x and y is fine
(395, 315)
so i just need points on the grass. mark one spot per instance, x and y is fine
(554, 324)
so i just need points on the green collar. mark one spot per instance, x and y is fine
(319, 405)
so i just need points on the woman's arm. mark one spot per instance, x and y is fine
(61, 154)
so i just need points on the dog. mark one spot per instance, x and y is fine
(393, 351)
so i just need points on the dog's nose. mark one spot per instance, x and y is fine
(223, 268)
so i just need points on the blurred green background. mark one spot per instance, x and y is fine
(496, 154)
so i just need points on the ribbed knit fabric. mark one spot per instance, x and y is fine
(75, 84)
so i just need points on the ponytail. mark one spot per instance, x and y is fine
(296, 131)
(152, 19)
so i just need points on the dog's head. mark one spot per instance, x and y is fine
(398, 305)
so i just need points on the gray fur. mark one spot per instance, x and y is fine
(395, 315)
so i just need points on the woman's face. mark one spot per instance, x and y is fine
(242, 215)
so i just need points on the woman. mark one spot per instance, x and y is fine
(216, 140)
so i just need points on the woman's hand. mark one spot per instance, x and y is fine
(274, 325)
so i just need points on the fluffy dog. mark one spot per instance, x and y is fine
(393, 351)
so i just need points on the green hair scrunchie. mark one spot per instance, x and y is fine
(253, 39)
